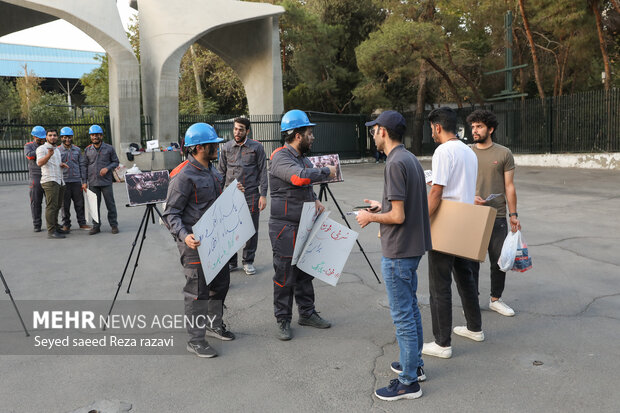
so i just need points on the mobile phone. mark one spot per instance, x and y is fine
(366, 207)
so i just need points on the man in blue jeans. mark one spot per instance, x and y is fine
(405, 238)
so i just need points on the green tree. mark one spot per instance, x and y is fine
(29, 91)
(51, 108)
(9, 100)
(96, 86)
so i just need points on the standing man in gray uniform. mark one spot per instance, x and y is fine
(291, 176)
(195, 184)
(99, 161)
(244, 159)
(34, 170)
(75, 177)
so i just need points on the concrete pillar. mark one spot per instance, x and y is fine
(100, 20)
(244, 34)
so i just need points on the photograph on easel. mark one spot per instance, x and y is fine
(327, 160)
(147, 187)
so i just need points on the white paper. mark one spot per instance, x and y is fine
(222, 230)
(428, 176)
(86, 208)
(307, 221)
(151, 145)
(327, 250)
(493, 196)
(91, 199)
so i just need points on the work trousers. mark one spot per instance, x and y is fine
(36, 199)
(441, 267)
(54, 194)
(202, 302)
(249, 250)
(108, 196)
(498, 277)
(73, 191)
(288, 281)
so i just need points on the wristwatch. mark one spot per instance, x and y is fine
(513, 214)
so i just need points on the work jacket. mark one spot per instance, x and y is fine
(192, 190)
(30, 150)
(73, 158)
(94, 160)
(290, 178)
(247, 164)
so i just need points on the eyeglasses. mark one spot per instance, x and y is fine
(373, 131)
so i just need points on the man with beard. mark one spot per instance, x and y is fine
(291, 176)
(50, 161)
(99, 161)
(34, 170)
(75, 177)
(454, 178)
(194, 185)
(496, 169)
(405, 238)
(244, 159)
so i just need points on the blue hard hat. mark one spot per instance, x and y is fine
(200, 133)
(294, 119)
(38, 132)
(66, 131)
(95, 129)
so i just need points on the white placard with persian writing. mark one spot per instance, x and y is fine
(222, 230)
(91, 204)
(327, 250)
(308, 219)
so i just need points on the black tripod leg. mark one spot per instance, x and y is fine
(133, 245)
(149, 210)
(357, 241)
(8, 291)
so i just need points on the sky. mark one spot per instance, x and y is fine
(63, 35)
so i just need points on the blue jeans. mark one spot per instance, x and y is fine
(401, 284)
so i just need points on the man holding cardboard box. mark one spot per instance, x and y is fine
(494, 187)
(455, 168)
(405, 238)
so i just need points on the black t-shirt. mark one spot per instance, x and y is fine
(404, 181)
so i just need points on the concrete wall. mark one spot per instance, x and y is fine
(244, 34)
(100, 20)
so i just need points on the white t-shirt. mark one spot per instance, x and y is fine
(455, 167)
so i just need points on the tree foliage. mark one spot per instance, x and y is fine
(9, 100)
(96, 86)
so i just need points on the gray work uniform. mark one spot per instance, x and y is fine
(247, 164)
(74, 177)
(36, 190)
(290, 177)
(93, 161)
(192, 190)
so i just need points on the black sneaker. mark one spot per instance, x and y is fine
(37, 229)
(232, 267)
(220, 332)
(315, 320)
(397, 368)
(55, 235)
(201, 349)
(396, 391)
(284, 330)
(94, 230)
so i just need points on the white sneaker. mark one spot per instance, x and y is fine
(501, 307)
(435, 350)
(249, 269)
(472, 335)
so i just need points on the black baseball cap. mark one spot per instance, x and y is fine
(390, 119)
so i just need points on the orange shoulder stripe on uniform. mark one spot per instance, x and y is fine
(28, 143)
(276, 151)
(178, 168)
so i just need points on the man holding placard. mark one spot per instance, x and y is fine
(291, 176)
(405, 238)
(195, 184)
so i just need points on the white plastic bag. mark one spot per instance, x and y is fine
(134, 170)
(523, 260)
(509, 251)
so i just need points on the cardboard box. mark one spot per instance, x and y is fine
(462, 229)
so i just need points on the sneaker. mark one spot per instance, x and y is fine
(232, 267)
(94, 230)
(220, 332)
(396, 391)
(435, 350)
(284, 330)
(463, 331)
(55, 235)
(201, 349)
(61, 230)
(66, 229)
(501, 307)
(249, 269)
(315, 320)
(397, 368)
(114, 230)
(37, 229)
(85, 227)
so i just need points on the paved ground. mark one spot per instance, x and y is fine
(567, 307)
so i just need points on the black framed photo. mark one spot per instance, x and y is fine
(147, 187)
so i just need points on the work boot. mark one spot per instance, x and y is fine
(66, 229)
(94, 230)
(114, 230)
(315, 320)
(284, 330)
